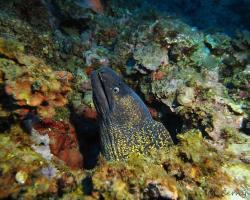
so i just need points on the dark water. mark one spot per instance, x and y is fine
(226, 16)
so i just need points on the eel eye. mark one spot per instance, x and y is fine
(116, 90)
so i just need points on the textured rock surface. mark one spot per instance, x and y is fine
(195, 82)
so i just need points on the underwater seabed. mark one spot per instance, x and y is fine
(195, 80)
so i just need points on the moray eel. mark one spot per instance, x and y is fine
(126, 124)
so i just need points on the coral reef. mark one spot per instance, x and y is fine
(197, 175)
(62, 141)
(31, 83)
(195, 82)
(25, 174)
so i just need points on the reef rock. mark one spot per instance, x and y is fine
(30, 82)
(63, 142)
(150, 57)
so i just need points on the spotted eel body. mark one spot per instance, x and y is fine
(126, 125)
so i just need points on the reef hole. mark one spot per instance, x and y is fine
(87, 132)
(169, 119)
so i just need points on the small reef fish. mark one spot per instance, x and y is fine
(125, 123)
(95, 5)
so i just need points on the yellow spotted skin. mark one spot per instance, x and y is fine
(126, 125)
(129, 131)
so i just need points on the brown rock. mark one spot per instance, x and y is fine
(72, 158)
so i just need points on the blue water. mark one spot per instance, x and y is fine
(226, 16)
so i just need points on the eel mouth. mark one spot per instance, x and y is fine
(100, 94)
(104, 90)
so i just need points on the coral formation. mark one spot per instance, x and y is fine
(26, 174)
(62, 141)
(31, 83)
(150, 56)
(196, 82)
(198, 175)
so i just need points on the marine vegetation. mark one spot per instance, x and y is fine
(168, 119)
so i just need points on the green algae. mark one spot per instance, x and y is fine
(29, 81)
(21, 169)
(62, 114)
(10, 69)
(239, 170)
(125, 180)
(10, 48)
(192, 169)
(16, 160)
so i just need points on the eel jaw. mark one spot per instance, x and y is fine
(100, 96)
